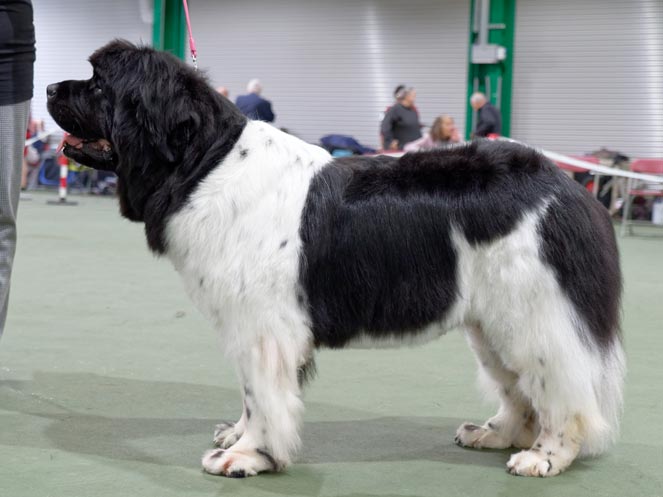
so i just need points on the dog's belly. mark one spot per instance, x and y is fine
(392, 341)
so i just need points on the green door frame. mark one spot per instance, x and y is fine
(495, 80)
(169, 30)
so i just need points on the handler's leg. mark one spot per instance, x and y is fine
(13, 124)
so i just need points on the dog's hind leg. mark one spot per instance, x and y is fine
(515, 423)
(574, 387)
(268, 369)
(576, 392)
(553, 451)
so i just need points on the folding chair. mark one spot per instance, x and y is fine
(636, 187)
(49, 173)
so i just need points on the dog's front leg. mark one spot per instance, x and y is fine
(227, 433)
(272, 411)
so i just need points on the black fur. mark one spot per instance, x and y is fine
(585, 259)
(269, 458)
(167, 127)
(377, 254)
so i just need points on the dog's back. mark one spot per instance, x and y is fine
(380, 231)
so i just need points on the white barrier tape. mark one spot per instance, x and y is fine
(40, 136)
(607, 171)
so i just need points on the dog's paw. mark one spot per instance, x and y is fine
(225, 435)
(237, 463)
(478, 437)
(533, 463)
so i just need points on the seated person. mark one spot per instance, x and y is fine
(442, 133)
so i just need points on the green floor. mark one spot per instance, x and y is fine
(111, 383)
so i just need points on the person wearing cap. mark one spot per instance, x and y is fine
(401, 122)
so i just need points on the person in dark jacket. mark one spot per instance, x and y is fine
(253, 105)
(17, 56)
(401, 122)
(489, 121)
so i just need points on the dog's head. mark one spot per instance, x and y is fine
(145, 115)
(116, 110)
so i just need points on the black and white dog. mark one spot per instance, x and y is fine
(285, 250)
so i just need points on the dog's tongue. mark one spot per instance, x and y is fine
(70, 140)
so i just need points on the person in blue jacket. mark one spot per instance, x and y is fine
(253, 105)
(489, 118)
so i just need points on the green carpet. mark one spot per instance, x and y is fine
(111, 384)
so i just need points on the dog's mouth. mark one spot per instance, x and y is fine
(100, 145)
(95, 153)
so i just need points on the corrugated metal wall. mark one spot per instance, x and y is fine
(69, 31)
(589, 74)
(330, 67)
(586, 73)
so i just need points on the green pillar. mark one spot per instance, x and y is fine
(169, 31)
(493, 78)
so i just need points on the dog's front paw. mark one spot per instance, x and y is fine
(226, 434)
(533, 463)
(479, 437)
(238, 463)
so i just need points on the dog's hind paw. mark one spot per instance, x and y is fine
(225, 435)
(238, 463)
(533, 463)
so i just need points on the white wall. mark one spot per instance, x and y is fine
(68, 31)
(331, 66)
(589, 73)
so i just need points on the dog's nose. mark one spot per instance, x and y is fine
(51, 90)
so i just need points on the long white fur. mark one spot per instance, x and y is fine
(236, 245)
(230, 236)
(532, 327)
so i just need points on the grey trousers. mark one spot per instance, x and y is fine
(13, 124)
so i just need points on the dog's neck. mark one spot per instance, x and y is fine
(153, 199)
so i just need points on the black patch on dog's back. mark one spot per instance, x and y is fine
(377, 255)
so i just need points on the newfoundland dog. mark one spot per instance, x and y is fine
(285, 250)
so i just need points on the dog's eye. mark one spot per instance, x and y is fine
(98, 91)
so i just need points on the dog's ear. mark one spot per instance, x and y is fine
(172, 127)
(155, 115)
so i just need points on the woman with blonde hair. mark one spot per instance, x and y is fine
(443, 132)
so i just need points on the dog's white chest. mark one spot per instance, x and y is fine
(236, 242)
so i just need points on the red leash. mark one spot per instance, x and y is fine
(192, 43)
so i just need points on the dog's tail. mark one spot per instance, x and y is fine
(608, 385)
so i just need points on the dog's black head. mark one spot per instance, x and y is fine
(150, 118)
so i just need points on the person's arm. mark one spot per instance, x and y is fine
(487, 123)
(424, 143)
(266, 111)
(387, 128)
